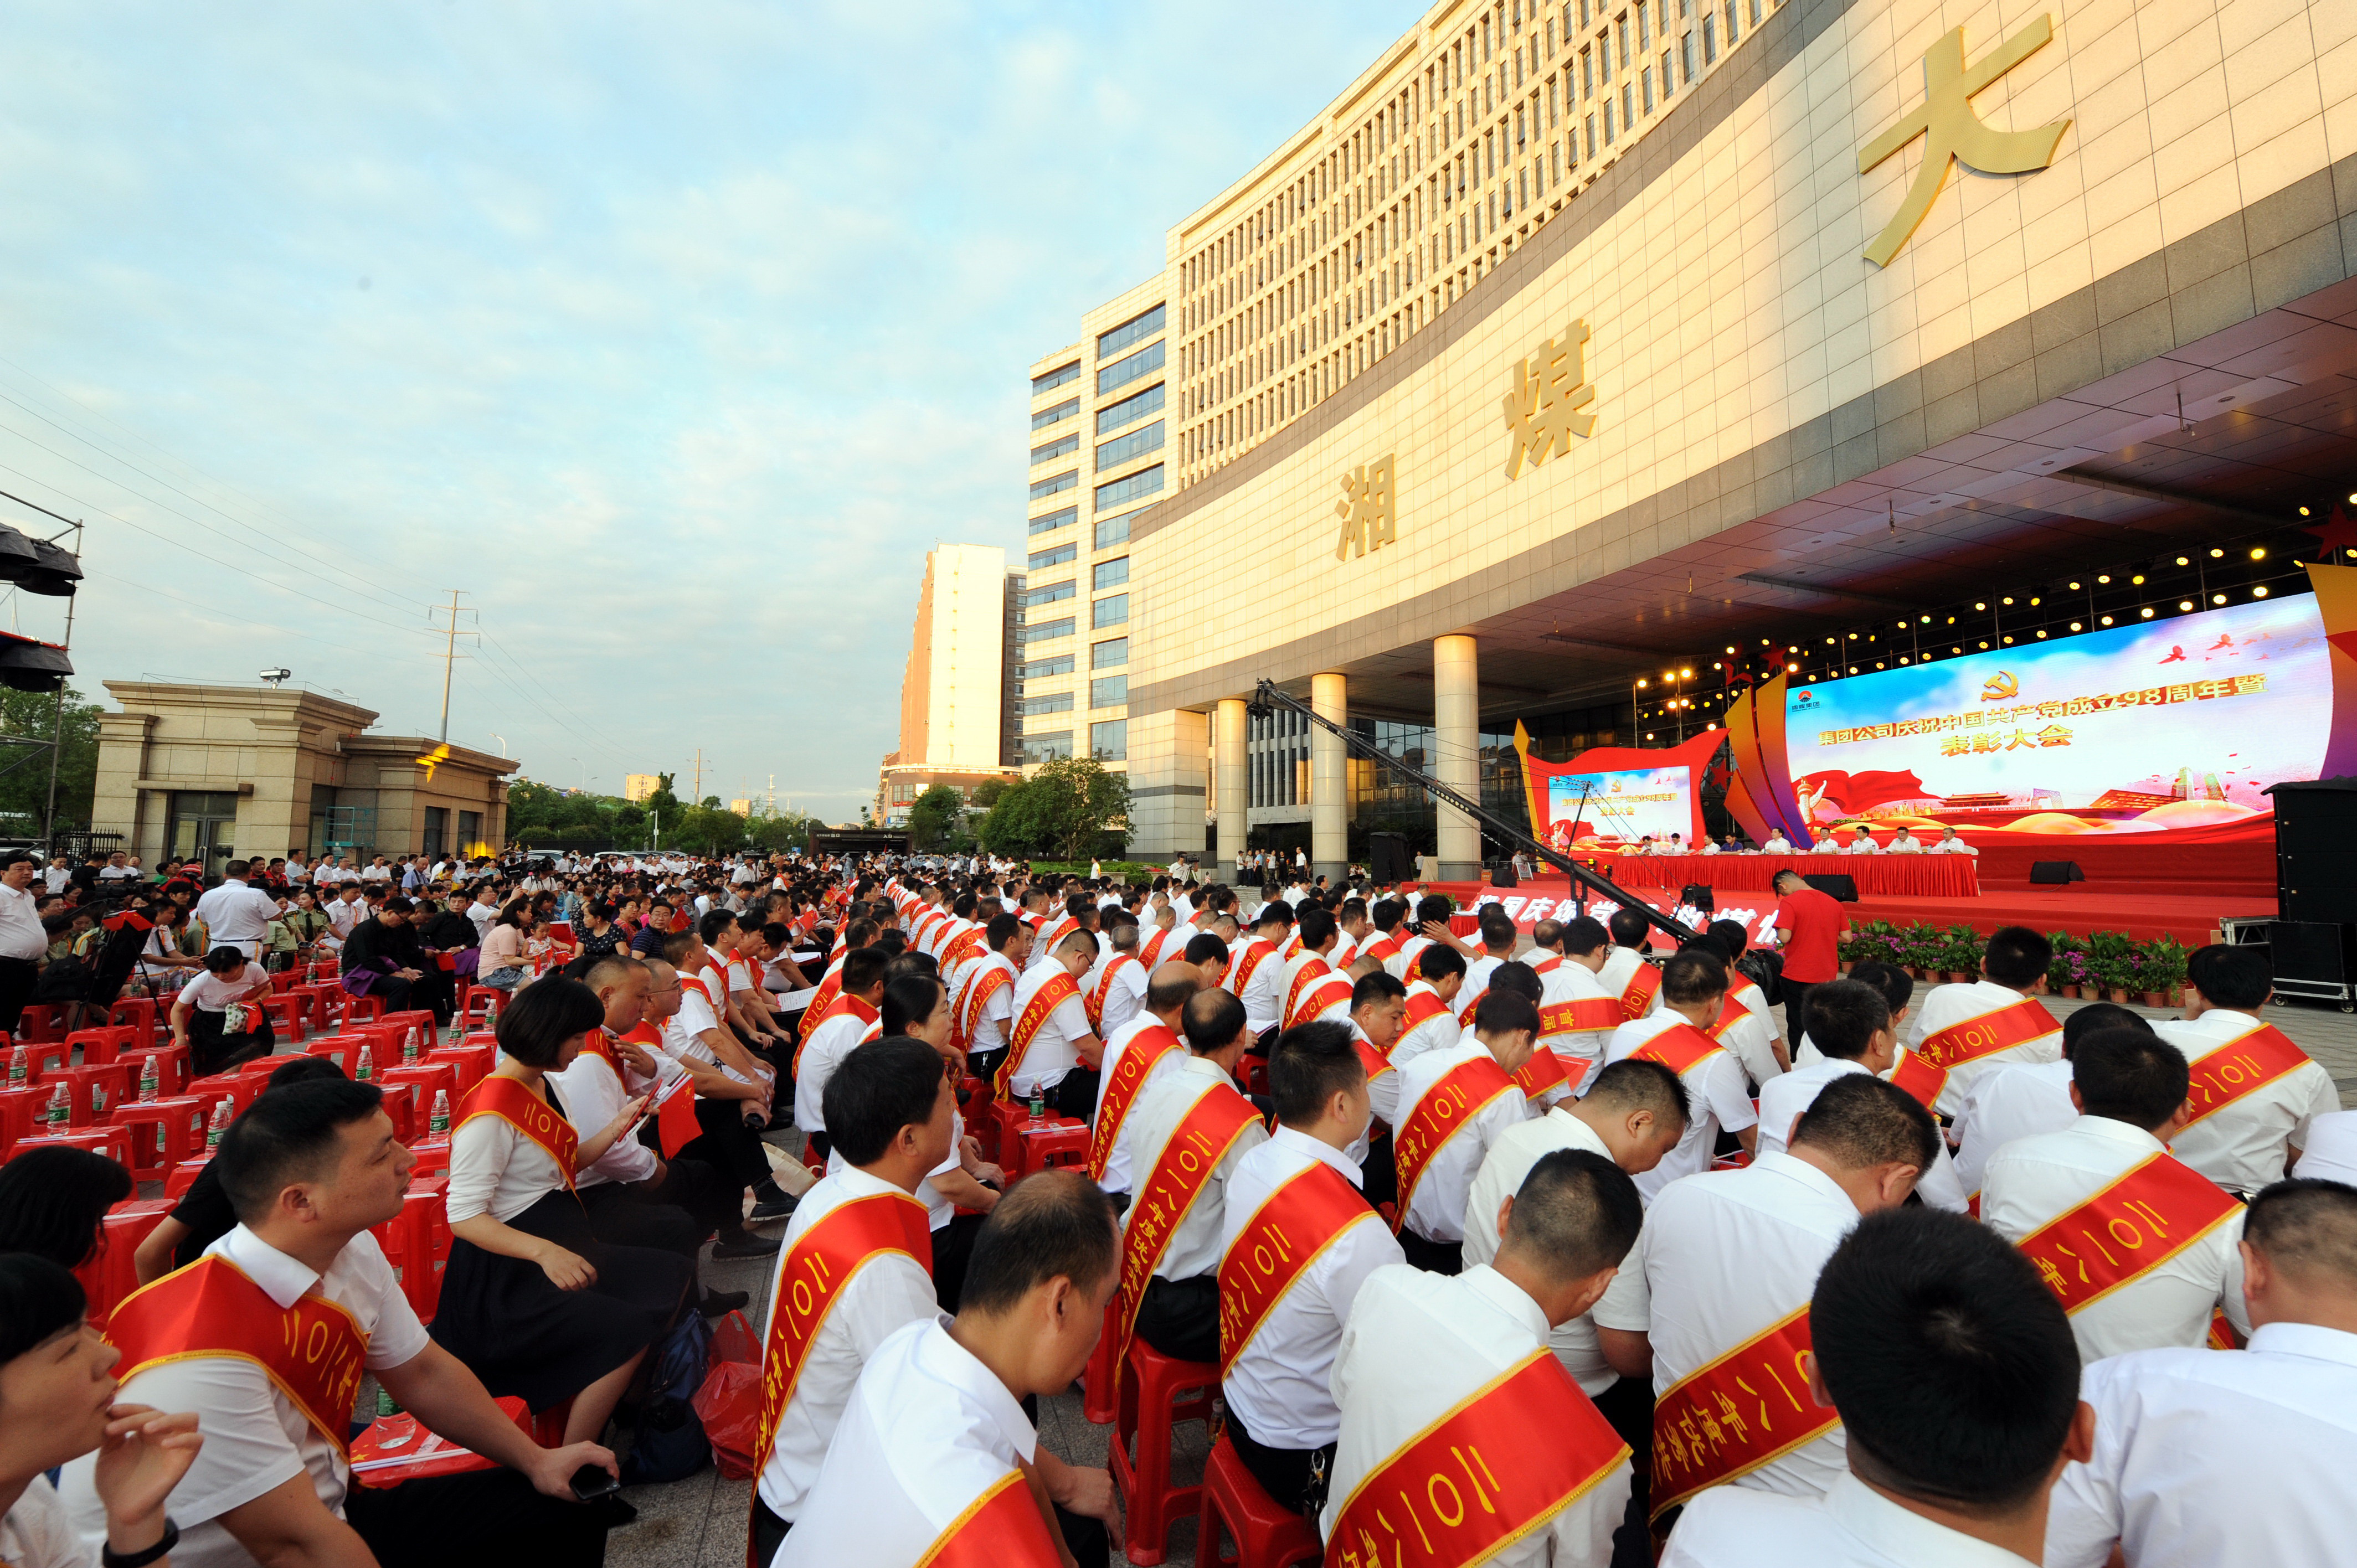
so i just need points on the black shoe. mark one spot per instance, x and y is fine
(744, 1244)
(721, 1303)
(763, 1213)
(612, 1512)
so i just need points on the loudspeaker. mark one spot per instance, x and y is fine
(1501, 872)
(2316, 850)
(1387, 857)
(2320, 952)
(2056, 870)
(1843, 887)
(1694, 894)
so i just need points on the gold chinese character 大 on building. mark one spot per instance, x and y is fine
(1370, 520)
(1543, 411)
(1952, 133)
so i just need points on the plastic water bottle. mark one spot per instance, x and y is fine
(409, 1045)
(1038, 1107)
(20, 1067)
(60, 1108)
(220, 1124)
(440, 1121)
(148, 1080)
(365, 1068)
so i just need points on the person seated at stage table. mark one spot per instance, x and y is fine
(1905, 842)
(1861, 842)
(1777, 843)
(1950, 844)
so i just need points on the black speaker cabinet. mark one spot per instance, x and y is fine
(1840, 886)
(1501, 872)
(2316, 851)
(2313, 952)
(2056, 871)
(1387, 857)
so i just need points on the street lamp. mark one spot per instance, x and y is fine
(503, 744)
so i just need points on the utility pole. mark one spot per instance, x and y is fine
(449, 655)
(695, 791)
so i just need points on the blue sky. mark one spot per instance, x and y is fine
(673, 334)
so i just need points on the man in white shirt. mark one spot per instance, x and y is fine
(1683, 1302)
(1006, 943)
(1455, 1102)
(1166, 994)
(1432, 992)
(237, 914)
(2021, 1100)
(1114, 988)
(22, 941)
(1905, 842)
(1576, 1013)
(484, 910)
(2331, 1150)
(1968, 1029)
(2254, 1092)
(1498, 938)
(1949, 844)
(1632, 938)
(1326, 988)
(1420, 1348)
(1914, 1306)
(834, 1037)
(2040, 1192)
(933, 1460)
(1287, 1308)
(309, 1169)
(2203, 1458)
(1255, 975)
(1861, 842)
(58, 875)
(1059, 1060)
(1777, 843)
(1694, 987)
(894, 1114)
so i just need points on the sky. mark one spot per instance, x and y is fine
(672, 337)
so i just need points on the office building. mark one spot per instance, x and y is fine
(953, 703)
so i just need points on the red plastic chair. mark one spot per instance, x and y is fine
(40, 1022)
(171, 1066)
(473, 1062)
(135, 1013)
(1266, 1534)
(115, 1142)
(402, 1024)
(101, 1046)
(1100, 1391)
(290, 1016)
(359, 1010)
(1253, 1071)
(94, 1092)
(1060, 1141)
(490, 998)
(1157, 1393)
(409, 1094)
(433, 1153)
(238, 1088)
(164, 1131)
(184, 1175)
(19, 1110)
(112, 1273)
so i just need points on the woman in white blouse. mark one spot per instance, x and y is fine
(500, 963)
(57, 1387)
(531, 1301)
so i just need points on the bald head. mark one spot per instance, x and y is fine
(663, 990)
(1168, 988)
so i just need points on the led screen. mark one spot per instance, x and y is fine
(1628, 804)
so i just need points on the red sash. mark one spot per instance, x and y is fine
(1151, 953)
(1056, 933)
(1985, 1034)
(1248, 961)
(841, 1007)
(1000, 1529)
(526, 1112)
(1918, 1078)
(1581, 1016)
(1478, 1479)
(2251, 1058)
(1637, 997)
(1329, 989)
(313, 1352)
(1374, 1062)
(1094, 1003)
(1422, 1006)
(1058, 988)
(1547, 1071)
(1738, 1412)
(1290, 1230)
(1381, 947)
(812, 1276)
(1182, 1172)
(830, 986)
(987, 983)
(1730, 1012)
(1677, 1047)
(1461, 1094)
(1145, 1047)
(2155, 1211)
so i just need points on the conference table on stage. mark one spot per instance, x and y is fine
(1903, 876)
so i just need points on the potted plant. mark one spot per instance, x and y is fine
(2061, 977)
(1963, 960)
(2164, 972)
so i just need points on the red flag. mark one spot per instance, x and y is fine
(675, 1124)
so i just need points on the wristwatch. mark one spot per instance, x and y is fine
(110, 1558)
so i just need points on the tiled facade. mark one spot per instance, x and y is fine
(1753, 371)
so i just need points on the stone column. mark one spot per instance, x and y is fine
(1456, 744)
(1330, 780)
(1234, 786)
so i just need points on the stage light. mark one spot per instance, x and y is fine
(1927, 619)
(2009, 599)
(2303, 512)
(2146, 612)
(1985, 642)
(2041, 633)
(1853, 669)
(2259, 554)
(1829, 640)
(1878, 666)
(2138, 578)
(1979, 606)
(1718, 664)
(2215, 552)
(1951, 620)
(2260, 592)
(1903, 659)
(1649, 735)
(2034, 601)
(2075, 627)
(2074, 587)
(1730, 648)
(2107, 621)
(1640, 683)
(2104, 577)
(2217, 599)
(2183, 562)
(1686, 674)
(1791, 668)
(2185, 604)
(1668, 675)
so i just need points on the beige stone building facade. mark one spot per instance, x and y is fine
(959, 689)
(1576, 341)
(257, 771)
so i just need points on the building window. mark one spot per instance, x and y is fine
(1055, 449)
(1049, 595)
(470, 833)
(1054, 556)
(1056, 378)
(1709, 39)
(1059, 665)
(1121, 372)
(1111, 654)
(1061, 482)
(1129, 410)
(1109, 574)
(1136, 329)
(1731, 34)
(1062, 411)
(1042, 523)
(1109, 691)
(1121, 448)
(1039, 748)
(1686, 57)
(1047, 630)
(1109, 742)
(1114, 611)
(1145, 482)
(1062, 702)
(1113, 531)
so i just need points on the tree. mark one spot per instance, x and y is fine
(1079, 802)
(714, 831)
(787, 830)
(662, 803)
(936, 816)
(1014, 826)
(531, 808)
(986, 793)
(25, 787)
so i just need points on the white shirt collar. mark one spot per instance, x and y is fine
(2227, 1015)
(1205, 1066)
(1508, 1297)
(961, 1365)
(282, 1279)
(1580, 1130)
(2313, 1340)
(1801, 1171)
(2118, 1132)
(1903, 1536)
(1303, 1144)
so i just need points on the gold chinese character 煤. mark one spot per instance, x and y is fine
(1543, 412)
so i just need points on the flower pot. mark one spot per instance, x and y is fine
(2155, 999)
(2071, 992)
(2120, 995)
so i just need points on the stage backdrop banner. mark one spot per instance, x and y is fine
(1631, 792)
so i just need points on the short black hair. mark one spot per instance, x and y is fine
(863, 967)
(1387, 913)
(1000, 929)
(221, 960)
(878, 1088)
(533, 1027)
(2307, 1228)
(1505, 1013)
(1497, 927)
(1317, 925)
(908, 1001)
(2127, 1075)
(1730, 936)
(1952, 1365)
(1434, 907)
(715, 921)
(1631, 1084)
(1311, 1064)
(37, 1298)
(1630, 927)
(53, 1200)
(1582, 934)
(1691, 975)
(1213, 1020)
(1844, 1017)
(2236, 977)
(1436, 964)
(1861, 1120)
(1576, 1214)
(301, 1069)
(2097, 1015)
(289, 1134)
(1516, 978)
(1053, 1224)
(1204, 947)
(909, 963)
(1374, 986)
(1896, 987)
(1275, 912)
(2015, 956)
(1161, 994)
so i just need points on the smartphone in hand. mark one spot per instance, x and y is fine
(591, 1482)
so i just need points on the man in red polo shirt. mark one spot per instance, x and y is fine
(1810, 926)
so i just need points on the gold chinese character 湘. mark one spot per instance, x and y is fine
(1369, 522)
(1953, 133)
(1542, 413)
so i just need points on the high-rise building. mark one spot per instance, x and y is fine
(953, 703)
(637, 787)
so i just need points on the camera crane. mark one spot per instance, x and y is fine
(1266, 698)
